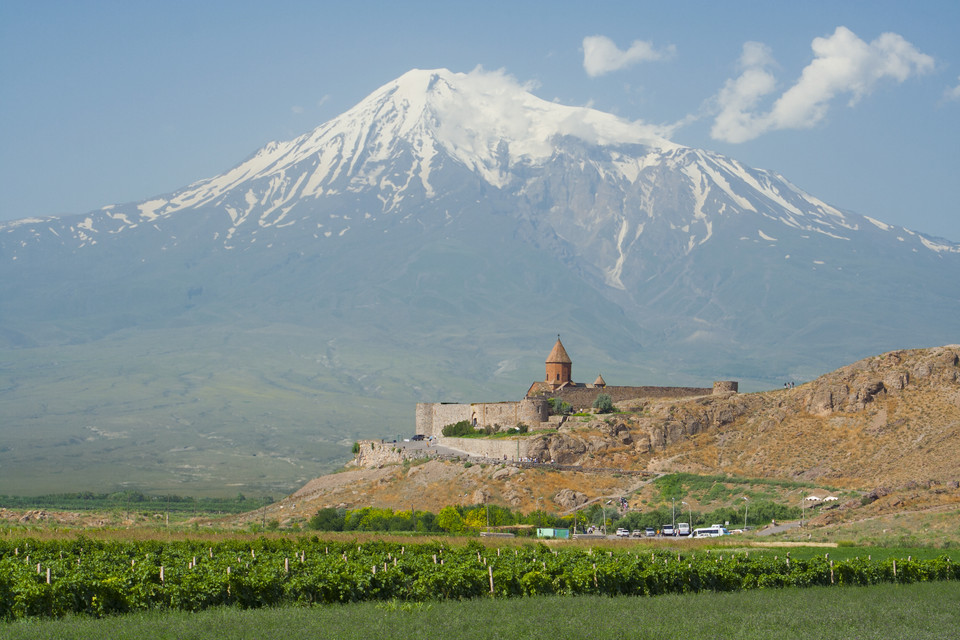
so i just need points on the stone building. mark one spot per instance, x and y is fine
(534, 409)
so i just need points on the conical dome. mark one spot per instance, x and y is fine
(559, 354)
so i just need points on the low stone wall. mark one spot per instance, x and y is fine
(376, 453)
(508, 449)
(583, 397)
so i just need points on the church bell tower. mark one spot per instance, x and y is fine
(559, 366)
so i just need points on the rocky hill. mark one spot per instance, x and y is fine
(884, 432)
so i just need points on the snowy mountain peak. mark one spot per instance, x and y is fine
(480, 110)
(612, 188)
(485, 121)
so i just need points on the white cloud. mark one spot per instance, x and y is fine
(296, 109)
(601, 55)
(952, 93)
(739, 97)
(843, 64)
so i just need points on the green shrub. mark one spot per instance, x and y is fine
(459, 429)
(328, 519)
(603, 403)
(559, 407)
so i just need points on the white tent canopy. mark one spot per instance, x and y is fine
(813, 498)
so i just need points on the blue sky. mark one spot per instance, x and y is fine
(109, 102)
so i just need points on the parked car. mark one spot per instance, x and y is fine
(623, 533)
(650, 532)
(666, 530)
(637, 533)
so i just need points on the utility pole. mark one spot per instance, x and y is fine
(746, 506)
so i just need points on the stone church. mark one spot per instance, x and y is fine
(534, 409)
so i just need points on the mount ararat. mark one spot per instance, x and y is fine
(425, 245)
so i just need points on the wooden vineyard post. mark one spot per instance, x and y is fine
(490, 571)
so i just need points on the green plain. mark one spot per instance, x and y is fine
(915, 612)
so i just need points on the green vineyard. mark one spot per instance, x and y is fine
(83, 576)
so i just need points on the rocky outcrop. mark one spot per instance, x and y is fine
(853, 387)
(570, 499)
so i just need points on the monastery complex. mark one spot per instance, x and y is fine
(534, 410)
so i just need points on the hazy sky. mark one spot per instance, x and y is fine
(110, 102)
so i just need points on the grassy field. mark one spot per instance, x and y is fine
(890, 612)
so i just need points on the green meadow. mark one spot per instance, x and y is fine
(886, 612)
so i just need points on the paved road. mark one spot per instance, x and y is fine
(786, 526)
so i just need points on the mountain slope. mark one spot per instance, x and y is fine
(425, 245)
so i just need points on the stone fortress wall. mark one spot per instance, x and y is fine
(432, 417)
(581, 398)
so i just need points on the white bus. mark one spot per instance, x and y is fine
(710, 532)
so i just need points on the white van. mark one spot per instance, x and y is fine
(710, 532)
(683, 528)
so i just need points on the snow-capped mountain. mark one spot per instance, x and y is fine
(657, 228)
(591, 178)
(426, 245)
(449, 224)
